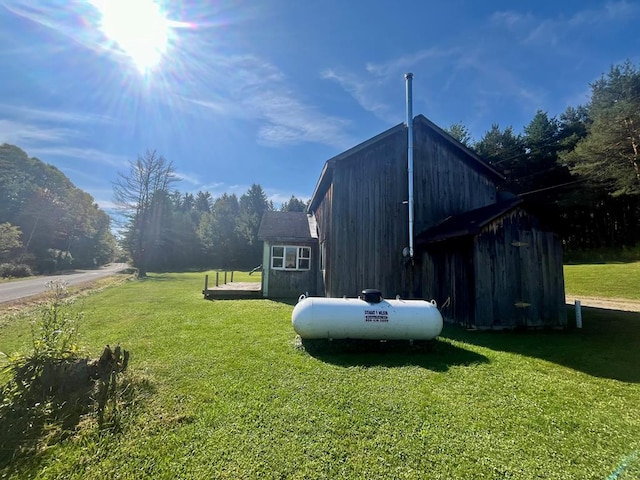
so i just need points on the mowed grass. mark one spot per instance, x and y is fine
(231, 394)
(609, 280)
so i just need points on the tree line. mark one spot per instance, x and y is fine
(580, 172)
(46, 223)
(165, 229)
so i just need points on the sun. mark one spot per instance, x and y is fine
(138, 27)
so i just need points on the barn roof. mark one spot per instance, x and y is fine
(327, 171)
(467, 223)
(287, 226)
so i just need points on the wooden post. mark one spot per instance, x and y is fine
(217, 273)
(231, 276)
(225, 277)
(206, 283)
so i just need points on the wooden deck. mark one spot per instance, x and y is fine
(233, 290)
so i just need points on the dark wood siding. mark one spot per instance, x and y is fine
(448, 270)
(518, 270)
(368, 225)
(323, 220)
(445, 181)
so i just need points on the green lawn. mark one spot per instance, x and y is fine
(228, 393)
(618, 280)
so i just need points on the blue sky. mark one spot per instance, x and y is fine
(241, 92)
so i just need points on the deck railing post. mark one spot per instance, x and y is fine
(206, 282)
(217, 274)
(225, 277)
(231, 276)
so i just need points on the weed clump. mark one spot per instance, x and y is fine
(53, 386)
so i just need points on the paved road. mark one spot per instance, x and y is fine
(25, 288)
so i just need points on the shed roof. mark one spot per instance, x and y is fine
(467, 223)
(288, 226)
(327, 171)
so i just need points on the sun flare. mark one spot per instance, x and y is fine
(138, 27)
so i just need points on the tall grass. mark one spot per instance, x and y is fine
(232, 394)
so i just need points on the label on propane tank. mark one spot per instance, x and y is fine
(376, 316)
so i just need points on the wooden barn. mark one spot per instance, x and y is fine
(486, 260)
(290, 254)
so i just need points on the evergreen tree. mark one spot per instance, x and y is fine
(460, 133)
(253, 204)
(609, 156)
(504, 150)
(293, 205)
(218, 232)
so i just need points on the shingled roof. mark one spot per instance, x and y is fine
(288, 226)
(467, 223)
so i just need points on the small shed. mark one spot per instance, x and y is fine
(495, 267)
(290, 259)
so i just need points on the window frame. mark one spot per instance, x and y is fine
(302, 257)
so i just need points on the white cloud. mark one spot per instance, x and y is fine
(278, 197)
(26, 135)
(41, 115)
(554, 31)
(370, 88)
(246, 87)
(89, 155)
(72, 21)
(187, 177)
(407, 62)
(361, 89)
(48, 133)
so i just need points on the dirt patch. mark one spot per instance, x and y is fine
(622, 304)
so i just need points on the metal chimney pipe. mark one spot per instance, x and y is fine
(409, 78)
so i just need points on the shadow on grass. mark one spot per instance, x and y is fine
(28, 427)
(606, 346)
(436, 355)
(156, 277)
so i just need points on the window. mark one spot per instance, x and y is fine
(290, 258)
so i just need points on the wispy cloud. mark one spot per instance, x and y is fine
(54, 116)
(43, 133)
(89, 155)
(496, 80)
(402, 64)
(361, 89)
(532, 30)
(259, 91)
(278, 197)
(71, 21)
(189, 178)
(26, 134)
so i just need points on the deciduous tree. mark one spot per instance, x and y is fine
(148, 180)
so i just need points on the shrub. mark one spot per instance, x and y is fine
(21, 270)
(52, 386)
(15, 270)
(5, 269)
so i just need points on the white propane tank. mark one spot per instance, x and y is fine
(367, 318)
